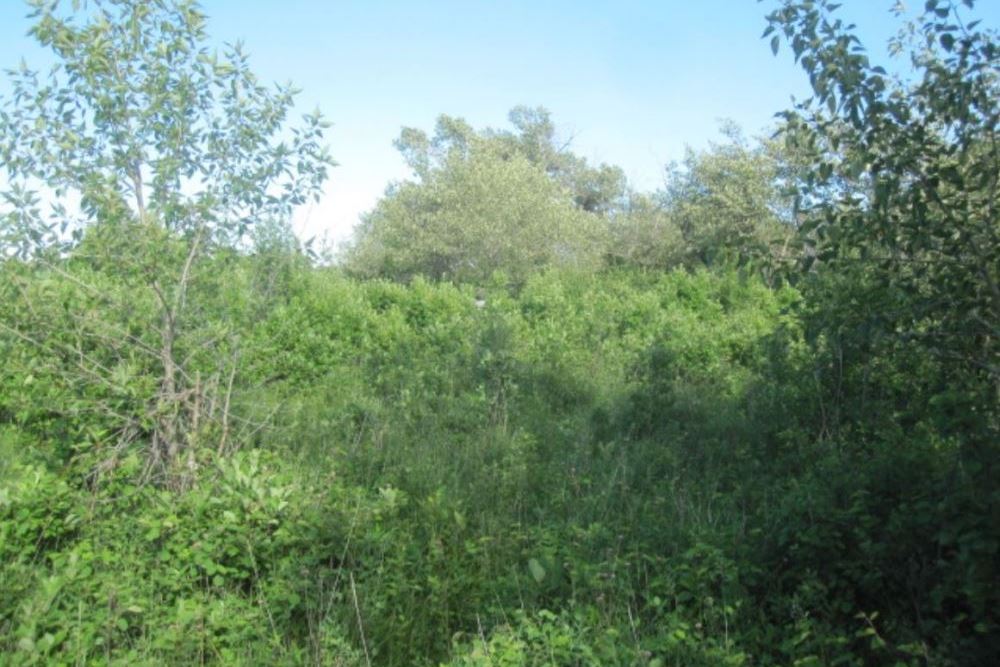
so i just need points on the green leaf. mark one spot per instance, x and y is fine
(537, 571)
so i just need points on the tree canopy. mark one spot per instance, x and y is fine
(484, 202)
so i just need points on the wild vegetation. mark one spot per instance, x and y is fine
(531, 416)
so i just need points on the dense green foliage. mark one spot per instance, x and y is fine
(484, 203)
(536, 418)
(161, 153)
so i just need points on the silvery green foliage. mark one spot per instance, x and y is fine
(140, 120)
(484, 202)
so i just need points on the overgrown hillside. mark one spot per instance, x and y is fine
(531, 416)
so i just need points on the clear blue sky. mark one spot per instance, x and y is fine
(633, 81)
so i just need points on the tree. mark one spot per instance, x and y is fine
(724, 205)
(923, 223)
(727, 202)
(902, 312)
(480, 204)
(599, 189)
(155, 156)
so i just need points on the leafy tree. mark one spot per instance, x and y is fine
(903, 315)
(925, 227)
(722, 205)
(599, 189)
(480, 205)
(727, 202)
(159, 155)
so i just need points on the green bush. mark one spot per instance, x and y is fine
(138, 575)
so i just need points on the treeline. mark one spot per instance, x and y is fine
(530, 416)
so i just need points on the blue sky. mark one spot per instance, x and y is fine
(631, 81)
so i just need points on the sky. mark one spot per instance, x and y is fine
(631, 82)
